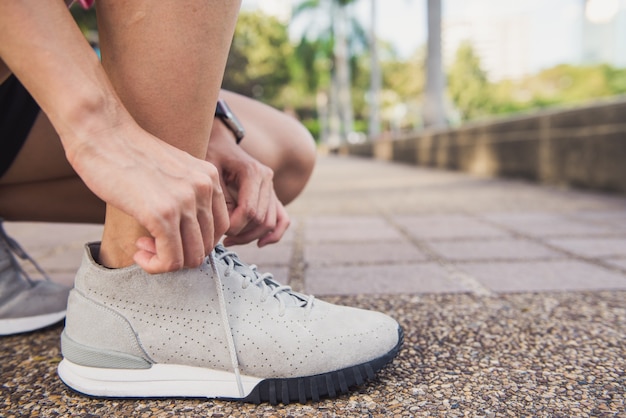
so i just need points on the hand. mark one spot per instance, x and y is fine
(176, 197)
(255, 211)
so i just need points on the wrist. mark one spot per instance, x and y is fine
(222, 144)
(226, 116)
(89, 121)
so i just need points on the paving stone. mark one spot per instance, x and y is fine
(342, 221)
(618, 262)
(544, 224)
(43, 238)
(278, 254)
(280, 274)
(57, 248)
(615, 218)
(380, 279)
(350, 229)
(449, 226)
(361, 252)
(508, 249)
(540, 276)
(59, 267)
(593, 247)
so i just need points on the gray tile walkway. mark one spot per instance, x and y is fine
(620, 263)
(349, 229)
(498, 249)
(448, 226)
(360, 219)
(593, 246)
(541, 276)
(398, 252)
(544, 224)
(381, 279)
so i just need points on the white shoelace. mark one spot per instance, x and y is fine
(269, 287)
(227, 330)
(14, 248)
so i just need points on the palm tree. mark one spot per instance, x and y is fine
(340, 28)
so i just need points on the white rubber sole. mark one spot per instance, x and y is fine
(31, 323)
(161, 380)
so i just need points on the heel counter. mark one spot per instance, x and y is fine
(97, 336)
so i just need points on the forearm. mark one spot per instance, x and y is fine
(45, 49)
(4, 72)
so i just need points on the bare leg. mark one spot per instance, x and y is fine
(278, 141)
(165, 60)
(42, 186)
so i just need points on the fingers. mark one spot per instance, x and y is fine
(162, 252)
(213, 218)
(246, 206)
(221, 221)
(185, 232)
(255, 200)
(277, 233)
(270, 231)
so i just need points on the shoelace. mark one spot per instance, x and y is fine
(269, 287)
(14, 248)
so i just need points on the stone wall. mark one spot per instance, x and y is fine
(582, 147)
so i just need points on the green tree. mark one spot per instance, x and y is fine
(571, 84)
(560, 85)
(468, 85)
(260, 58)
(86, 19)
(403, 89)
(333, 23)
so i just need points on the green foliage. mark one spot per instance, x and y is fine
(86, 19)
(265, 64)
(467, 84)
(313, 125)
(259, 61)
(312, 66)
(562, 85)
(405, 78)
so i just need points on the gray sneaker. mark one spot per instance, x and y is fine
(222, 330)
(26, 304)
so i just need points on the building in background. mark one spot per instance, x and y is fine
(512, 45)
(603, 32)
(501, 43)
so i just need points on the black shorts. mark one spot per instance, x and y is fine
(18, 111)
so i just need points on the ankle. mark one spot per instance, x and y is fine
(114, 254)
(119, 236)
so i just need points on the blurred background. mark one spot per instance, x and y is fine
(353, 70)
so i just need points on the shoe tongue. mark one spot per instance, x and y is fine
(288, 297)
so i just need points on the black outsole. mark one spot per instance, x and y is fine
(326, 385)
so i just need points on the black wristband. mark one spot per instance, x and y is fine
(229, 119)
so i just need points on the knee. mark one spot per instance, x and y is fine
(302, 153)
(297, 160)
